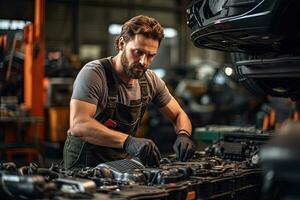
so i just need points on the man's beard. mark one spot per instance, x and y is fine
(134, 70)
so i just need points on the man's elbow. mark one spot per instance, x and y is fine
(77, 128)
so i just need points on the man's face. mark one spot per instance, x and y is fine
(137, 55)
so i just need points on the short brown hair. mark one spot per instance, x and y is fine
(141, 24)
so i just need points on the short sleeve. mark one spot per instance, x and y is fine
(88, 84)
(161, 94)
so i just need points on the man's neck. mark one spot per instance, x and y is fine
(117, 65)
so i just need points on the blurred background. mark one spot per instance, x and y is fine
(45, 43)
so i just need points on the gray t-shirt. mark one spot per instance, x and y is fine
(91, 86)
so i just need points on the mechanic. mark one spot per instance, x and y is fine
(109, 99)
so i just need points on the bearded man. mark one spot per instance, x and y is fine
(110, 96)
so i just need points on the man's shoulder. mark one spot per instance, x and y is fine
(94, 64)
(152, 76)
(92, 70)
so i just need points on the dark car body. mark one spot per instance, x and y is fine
(262, 35)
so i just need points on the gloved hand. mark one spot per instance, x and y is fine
(184, 147)
(144, 149)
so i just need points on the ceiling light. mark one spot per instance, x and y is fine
(228, 71)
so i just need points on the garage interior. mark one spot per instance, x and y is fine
(232, 65)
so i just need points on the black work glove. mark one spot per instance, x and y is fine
(184, 147)
(144, 149)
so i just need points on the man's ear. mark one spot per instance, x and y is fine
(121, 43)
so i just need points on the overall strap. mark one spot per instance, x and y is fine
(112, 84)
(144, 89)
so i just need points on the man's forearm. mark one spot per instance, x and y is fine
(183, 124)
(96, 133)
